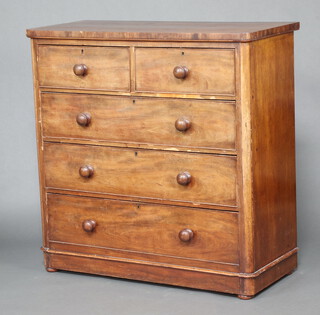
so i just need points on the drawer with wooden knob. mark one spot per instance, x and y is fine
(154, 121)
(95, 225)
(83, 67)
(185, 70)
(176, 177)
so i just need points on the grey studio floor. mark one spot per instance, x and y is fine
(26, 288)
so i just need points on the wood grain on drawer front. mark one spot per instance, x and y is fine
(143, 173)
(211, 71)
(107, 67)
(143, 120)
(146, 228)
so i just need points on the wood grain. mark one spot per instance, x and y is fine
(108, 67)
(174, 275)
(140, 120)
(109, 107)
(273, 148)
(244, 133)
(145, 228)
(144, 272)
(210, 71)
(118, 254)
(251, 286)
(38, 125)
(143, 173)
(169, 31)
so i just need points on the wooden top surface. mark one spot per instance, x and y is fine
(164, 31)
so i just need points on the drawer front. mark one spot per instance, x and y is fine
(208, 124)
(146, 228)
(143, 173)
(210, 71)
(107, 68)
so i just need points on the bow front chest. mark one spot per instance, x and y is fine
(166, 151)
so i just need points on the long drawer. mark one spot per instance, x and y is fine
(175, 176)
(168, 122)
(93, 224)
(80, 67)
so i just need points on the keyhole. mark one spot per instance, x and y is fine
(136, 153)
(82, 51)
(182, 53)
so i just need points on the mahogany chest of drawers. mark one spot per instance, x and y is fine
(166, 151)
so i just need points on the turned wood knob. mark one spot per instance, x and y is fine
(182, 124)
(186, 235)
(89, 225)
(83, 119)
(184, 178)
(80, 69)
(86, 171)
(180, 72)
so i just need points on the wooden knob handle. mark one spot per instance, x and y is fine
(89, 225)
(86, 171)
(180, 72)
(83, 119)
(80, 69)
(182, 124)
(186, 235)
(184, 178)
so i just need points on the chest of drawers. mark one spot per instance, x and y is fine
(166, 151)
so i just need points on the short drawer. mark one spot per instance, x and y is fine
(200, 71)
(146, 228)
(81, 67)
(167, 122)
(186, 177)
